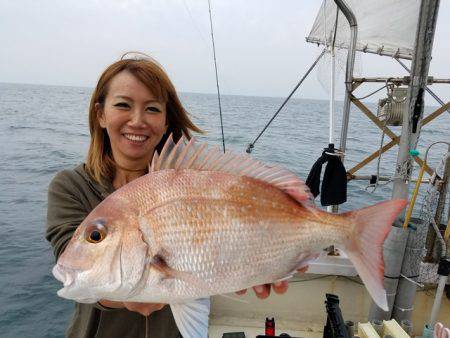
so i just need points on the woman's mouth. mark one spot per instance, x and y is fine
(138, 139)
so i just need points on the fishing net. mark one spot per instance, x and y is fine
(426, 240)
(323, 71)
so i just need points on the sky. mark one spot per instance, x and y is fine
(260, 44)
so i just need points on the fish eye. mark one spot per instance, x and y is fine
(95, 236)
(96, 232)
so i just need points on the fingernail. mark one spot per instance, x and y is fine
(278, 284)
(259, 289)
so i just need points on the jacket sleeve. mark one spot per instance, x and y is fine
(65, 212)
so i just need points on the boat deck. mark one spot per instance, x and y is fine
(301, 311)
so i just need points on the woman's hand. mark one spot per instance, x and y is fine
(263, 291)
(145, 309)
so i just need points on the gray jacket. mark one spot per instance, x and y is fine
(72, 195)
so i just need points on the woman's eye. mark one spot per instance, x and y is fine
(153, 109)
(122, 105)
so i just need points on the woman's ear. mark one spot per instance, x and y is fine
(100, 115)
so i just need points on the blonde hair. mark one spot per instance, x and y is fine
(100, 162)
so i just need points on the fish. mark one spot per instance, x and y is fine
(203, 222)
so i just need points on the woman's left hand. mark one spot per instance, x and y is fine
(263, 291)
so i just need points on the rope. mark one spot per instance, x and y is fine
(412, 281)
(252, 144)
(217, 76)
(376, 184)
(372, 93)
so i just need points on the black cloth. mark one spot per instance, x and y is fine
(334, 183)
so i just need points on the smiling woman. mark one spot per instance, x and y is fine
(133, 109)
(135, 122)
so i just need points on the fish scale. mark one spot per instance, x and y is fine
(190, 235)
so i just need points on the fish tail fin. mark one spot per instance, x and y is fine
(365, 245)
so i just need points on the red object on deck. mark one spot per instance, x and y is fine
(270, 327)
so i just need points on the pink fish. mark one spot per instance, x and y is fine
(203, 223)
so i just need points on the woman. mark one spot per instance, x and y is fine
(132, 111)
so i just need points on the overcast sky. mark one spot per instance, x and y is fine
(261, 48)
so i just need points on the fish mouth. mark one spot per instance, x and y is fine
(64, 274)
(67, 276)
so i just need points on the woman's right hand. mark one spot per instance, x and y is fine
(263, 291)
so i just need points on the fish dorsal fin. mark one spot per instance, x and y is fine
(190, 155)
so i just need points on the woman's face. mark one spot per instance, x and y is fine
(134, 119)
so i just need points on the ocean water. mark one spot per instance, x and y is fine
(43, 129)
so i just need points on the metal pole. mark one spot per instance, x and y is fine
(349, 70)
(437, 98)
(330, 208)
(333, 79)
(406, 290)
(410, 133)
(348, 77)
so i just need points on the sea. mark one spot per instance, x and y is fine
(44, 129)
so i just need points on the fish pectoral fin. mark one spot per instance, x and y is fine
(158, 263)
(192, 318)
(306, 258)
(235, 299)
(303, 260)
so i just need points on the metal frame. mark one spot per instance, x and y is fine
(400, 295)
(395, 139)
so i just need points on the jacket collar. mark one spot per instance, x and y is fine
(98, 189)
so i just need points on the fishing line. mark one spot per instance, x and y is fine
(217, 76)
(195, 24)
(146, 327)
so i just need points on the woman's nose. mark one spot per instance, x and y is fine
(137, 118)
